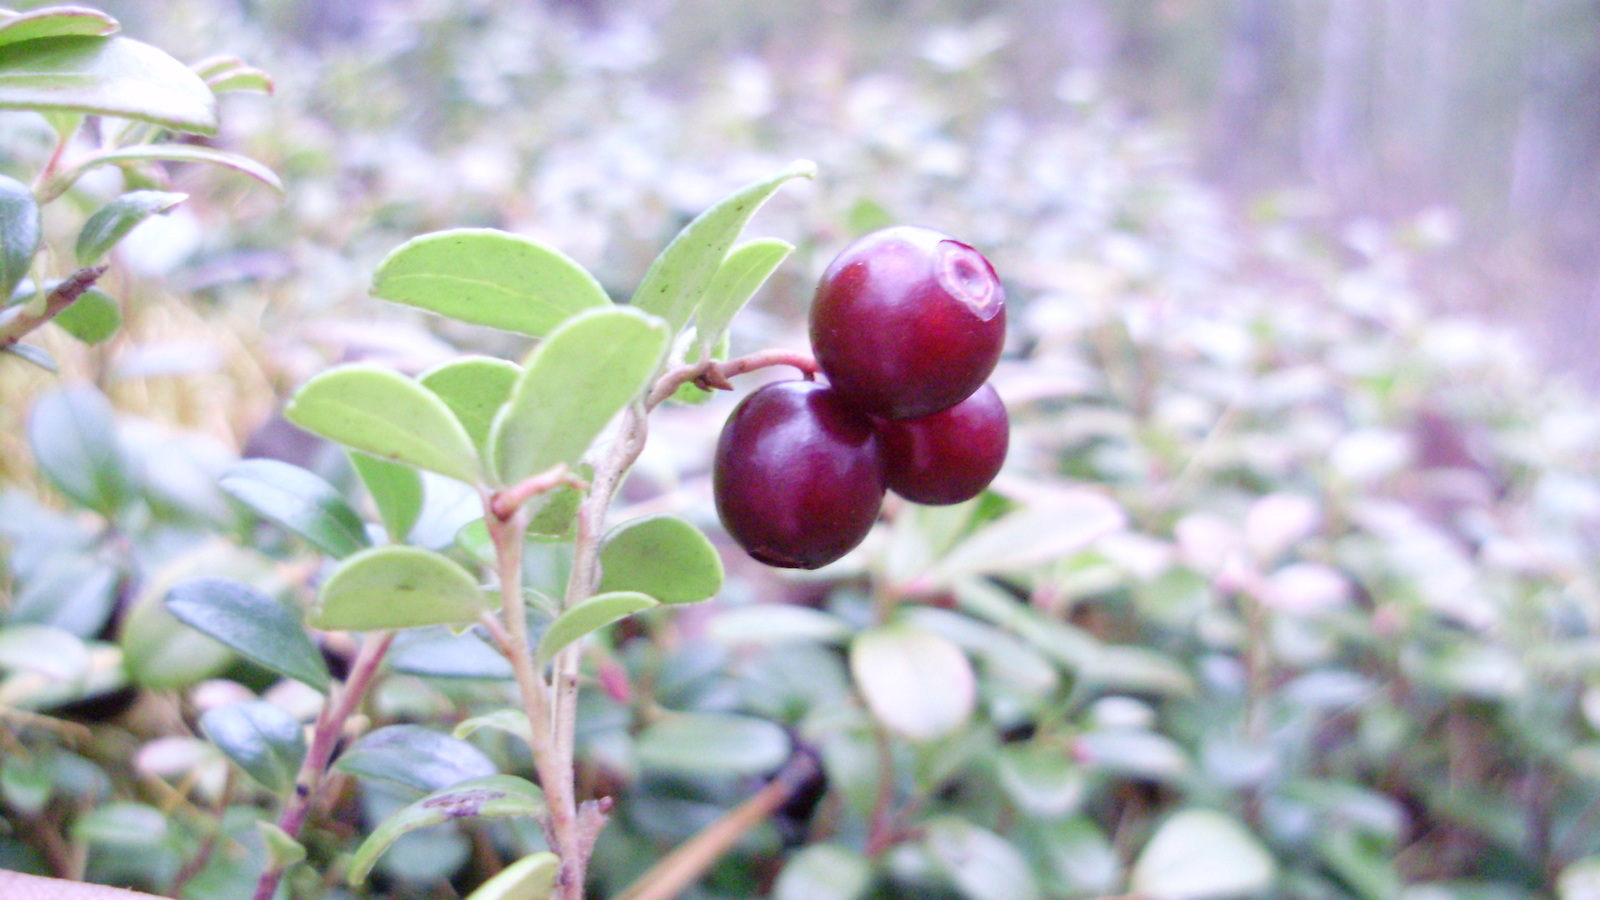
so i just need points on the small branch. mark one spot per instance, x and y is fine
(503, 504)
(713, 375)
(60, 297)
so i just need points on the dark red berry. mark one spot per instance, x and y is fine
(949, 456)
(798, 476)
(908, 321)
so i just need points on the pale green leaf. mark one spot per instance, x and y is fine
(92, 318)
(591, 615)
(474, 387)
(396, 490)
(1046, 531)
(299, 501)
(511, 721)
(493, 796)
(529, 878)
(251, 623)
(983, 865)
(662, 556)
(181, 153)
(19, 234)
(54, 21)
(53, 652)
(396, 586)
(1198, 854)
(742, 273)
(917, 683)
(824, 872)
(713, 743)
(767, 624)
(109, 76)
(112, 222)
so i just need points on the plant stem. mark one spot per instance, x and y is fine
(60, 297)
(710, 373)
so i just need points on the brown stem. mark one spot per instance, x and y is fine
(711, 374)
(503, 504)
(60, 297)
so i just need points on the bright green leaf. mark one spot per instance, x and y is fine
(396, 490)
(112, 222)
(917, 683)
(265, 740)
(300, 502)
(662, 556)
(488, 277)
(529, 878)
(824, 872)
(53, 652)
(591, 615)
(474, 387)
(251, 623)
(110, 76)
(572, 384)
(1198, 854)
(742, 273)
(415, 758)
(282, 850)
(983, 865)
(677, 280)
(19, 234)
(377, 410)
(186, 153)
(493, 796)
(54, 21)
(74, 439)
(92, 318)
(713, 743)
(396, 586)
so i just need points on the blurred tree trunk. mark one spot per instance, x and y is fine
(1253, 86)
(1338, 137)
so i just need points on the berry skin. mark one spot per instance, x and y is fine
(798, 475)
(949, 456)
(908, 321)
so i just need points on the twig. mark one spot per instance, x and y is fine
(60, 297)
(711, 374)
(504, 503)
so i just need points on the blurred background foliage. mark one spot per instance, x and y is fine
(1288, 588)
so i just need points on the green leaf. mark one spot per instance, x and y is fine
(300, 502)
(571, 386)
(742, 273)
(282, 850)
(768, 624)
(1042, 780)
(386, 414)
(251, 623)
(416, 758)
(92, 318)
(488, 277)
(1040, 533)
(186, 153)
(396, 587)
(511, 721)
(129, 827)
(529, 878)
(713, 743)
(439, 653)
(1198, 854)
(591, 615)
(677, 280)
(492, 796)
(265, 740)
(824, 872)
(52, 652)
(1134, 753)
(54, 21)
(983, 865)
(230, 73)
(73, 434)
(109, 76)
(396, 490)
(112, 222)
(474, 387)
(662, 556)
(19, 234)
(69, 590)
(917, 683)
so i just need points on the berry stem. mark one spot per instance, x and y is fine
(713, 374)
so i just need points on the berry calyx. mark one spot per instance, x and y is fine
(798, 475)
(908, 321)
(950, 456)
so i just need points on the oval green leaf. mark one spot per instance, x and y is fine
(571, 386)
(187, 153)
(493, 796)
(265, 740)
(73, 434)
(746, 269)
(1037, 534)
(54, 21)
(92, 318)
(591, 615)
(983, 865)
(386, 414)
(917, 683)
(396, 490)
(529, 878)
(474, 387)
(662, 556)
(1199, 854)
(713, 743)
(677, 280)
(824, 872)
(300, 502)
(769, 624)
(511, 721)
(488, 277)
(112, 222)
(415, 758)
(53, 652)
(396, 587)
(108, 76)
(19, 234)
(251, 623)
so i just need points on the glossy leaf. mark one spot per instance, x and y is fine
(489, 797)
(418, 759)
(110, 76)
(1198, 854)
(53, 652)
(438, 653)
(265, 740)
(299, 501)
(252, 623)
(591, 615)
(824, 872)
(182, 153)
(572, 384)
(112, 222)
(74, 439)
(379, 411)
(396, 586)
(474, 387)
(662, 556)
(92, 318)
(529, 878)
(19, 234)
(746, 268)
(396, 490)
(713, 743)
(983, 865)
(917, 683)
(677, 280)
(54, 21)
(488, 277)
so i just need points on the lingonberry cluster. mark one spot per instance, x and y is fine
(907, 326)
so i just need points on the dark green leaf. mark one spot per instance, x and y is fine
(19, 233)
(54, 21)
(251, 623)
(396, 586)
(112, 222)
(713, 743)
(110, 76)
(662, 556)
(746, 269)
(474, 387)
(263, 739)
(418, 759)
(300, 502)
(396, 490)
(591, 615)
(493, 796)
(74, 439)
(92, 318)
(488, 277)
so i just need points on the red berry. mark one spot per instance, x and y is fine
(949, 456)
(908, 321)
(798, 475)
